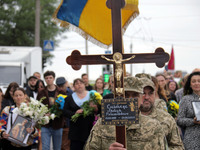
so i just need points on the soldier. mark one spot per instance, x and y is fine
(147, 135)
(166, 120)
(160, 97)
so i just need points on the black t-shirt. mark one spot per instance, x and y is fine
(51, 97)
(51, 93)
(89, 88)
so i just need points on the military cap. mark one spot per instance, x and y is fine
(143, 75)
(147, 82)
(133, 84)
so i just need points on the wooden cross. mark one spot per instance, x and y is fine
(118, 59)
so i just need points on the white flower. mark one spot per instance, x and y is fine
(46, 119)
(33, 101)
(52, 116)
(23, 105)
(29, 113)
(25, 109)
(36, 111)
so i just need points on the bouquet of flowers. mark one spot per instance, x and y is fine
(58, 106)
(173, 108)
(35, 110)
(95, 99)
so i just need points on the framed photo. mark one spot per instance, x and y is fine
(17, 130)
(196, 107)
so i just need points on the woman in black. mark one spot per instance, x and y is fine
(79, 130)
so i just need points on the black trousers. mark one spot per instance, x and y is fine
(77, 145)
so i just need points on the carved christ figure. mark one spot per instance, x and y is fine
(117, 59)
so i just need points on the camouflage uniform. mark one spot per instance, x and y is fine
(167, 121)
(170, 128)
(143, 75)
(147, 135)
(160, 104)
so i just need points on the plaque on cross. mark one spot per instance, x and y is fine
(118, 58)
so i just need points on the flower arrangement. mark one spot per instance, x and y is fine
(95, 99)
(35, 110)
(173, 108)
(58, 106)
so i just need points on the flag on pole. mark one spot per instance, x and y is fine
(171, 65)
(92, 18)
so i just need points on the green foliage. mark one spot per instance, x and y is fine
(55, 110)
(17, 23)
(58, 106)
(75, 117)
(87, 111)
(95, 99)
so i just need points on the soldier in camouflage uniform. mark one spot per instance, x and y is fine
(147, 135)
(167, 121)
(159, 103)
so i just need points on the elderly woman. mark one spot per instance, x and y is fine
(79, 130)
(19, 96)
(186, 117)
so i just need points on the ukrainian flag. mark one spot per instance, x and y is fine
(92, 18)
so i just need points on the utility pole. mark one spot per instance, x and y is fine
(131, 70)
(86, 49)
(37, 23)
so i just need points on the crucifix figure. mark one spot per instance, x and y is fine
(76, 60)
(117, 59)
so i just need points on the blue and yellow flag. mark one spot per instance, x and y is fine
(92, 18)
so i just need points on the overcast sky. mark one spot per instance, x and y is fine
(160, 24)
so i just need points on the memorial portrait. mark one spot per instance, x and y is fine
(18, 129)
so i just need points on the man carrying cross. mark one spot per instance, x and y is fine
(146, 135)
(167, 122)
(76, 60)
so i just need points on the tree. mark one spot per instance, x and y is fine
(17, 23)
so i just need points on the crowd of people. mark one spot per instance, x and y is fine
(158, 128)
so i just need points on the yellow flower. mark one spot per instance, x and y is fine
(98, 97)
(177, 106)
(174, 105)
(64, 96)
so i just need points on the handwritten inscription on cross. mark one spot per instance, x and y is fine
(76, 60)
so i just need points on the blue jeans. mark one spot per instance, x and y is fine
(47, 133)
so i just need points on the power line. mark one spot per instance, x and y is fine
(169, 43)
